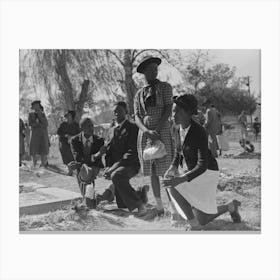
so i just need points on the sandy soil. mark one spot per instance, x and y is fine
(239, 179)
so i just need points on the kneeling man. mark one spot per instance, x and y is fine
(123, 163)
(83, 147)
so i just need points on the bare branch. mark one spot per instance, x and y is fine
(116, 56)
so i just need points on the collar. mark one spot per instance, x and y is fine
(152, 83)
(184, 133)
(120, 124)
(84, 139)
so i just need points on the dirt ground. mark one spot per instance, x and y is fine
(239, 179)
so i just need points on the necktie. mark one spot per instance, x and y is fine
(87, 147)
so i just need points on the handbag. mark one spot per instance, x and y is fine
(154, 151)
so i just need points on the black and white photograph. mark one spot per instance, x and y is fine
(140, 140)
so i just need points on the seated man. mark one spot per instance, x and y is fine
(83, 147)
(123, 163)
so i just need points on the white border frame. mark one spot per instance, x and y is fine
(190, 24)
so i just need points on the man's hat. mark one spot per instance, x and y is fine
(145, 61)
(71, 112)
(88, 174)
(36, 102)
(187, 102)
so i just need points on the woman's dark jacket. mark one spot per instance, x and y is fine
(195, 150)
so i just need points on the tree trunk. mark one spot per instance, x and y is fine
(129, 82)
(82, 99)
(63, 79)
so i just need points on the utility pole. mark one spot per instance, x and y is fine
(249, 92)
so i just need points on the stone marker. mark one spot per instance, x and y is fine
(38, 200)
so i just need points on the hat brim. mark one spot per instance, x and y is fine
(36, 102)
(141, 67)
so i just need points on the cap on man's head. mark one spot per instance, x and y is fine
(86, 121)
(145, 61)
(187, 101)
(71, 112)
(36, 102)
(122, 104)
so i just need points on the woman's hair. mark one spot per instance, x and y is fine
(187, 102)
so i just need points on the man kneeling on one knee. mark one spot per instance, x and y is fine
(122, 161)
(84, 146)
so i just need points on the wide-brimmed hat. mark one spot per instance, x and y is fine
(145, 61)
(88, 174)
(71, 112)
(187, 102)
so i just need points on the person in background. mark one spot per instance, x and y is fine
(193, 193)
(242, 119)
(152, 108)
(83, 147)
(39, 142)
(27, 141)
(122, 162)
(66, 130)
(212, 126)
(21, 140)
(199, 117)
(257, 128)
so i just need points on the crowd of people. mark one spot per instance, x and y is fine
(189, 140)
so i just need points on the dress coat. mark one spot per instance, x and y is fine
(122, 147)
(195, 151)
(39, 142)
(64, 129)
(78, 150)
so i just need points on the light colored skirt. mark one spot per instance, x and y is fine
(200, 193)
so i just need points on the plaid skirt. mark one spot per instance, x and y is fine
(161, 164)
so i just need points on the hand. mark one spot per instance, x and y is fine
(103, 150)
(171, 172)
(152, 134)
(107, 173)
(172, 182)
(73, 165)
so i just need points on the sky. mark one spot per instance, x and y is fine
(247, 63)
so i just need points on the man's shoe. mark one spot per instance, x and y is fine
(144, 193)
(91, 203)
(234, 213)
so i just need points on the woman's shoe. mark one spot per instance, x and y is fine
(233, 210)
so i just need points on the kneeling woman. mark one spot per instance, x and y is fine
(193, 193)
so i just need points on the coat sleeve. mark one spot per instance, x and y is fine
(131, 155)
(43, 120)
(202, 160)
(208, 119)
(98, 162)
(61, 130)
(77, 155)
(32, 121)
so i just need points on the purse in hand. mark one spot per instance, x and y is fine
(154, 151)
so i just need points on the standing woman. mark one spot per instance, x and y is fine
(39, 142)
(152, 108)
(194, 192)
(65, 131)
(21, 140)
